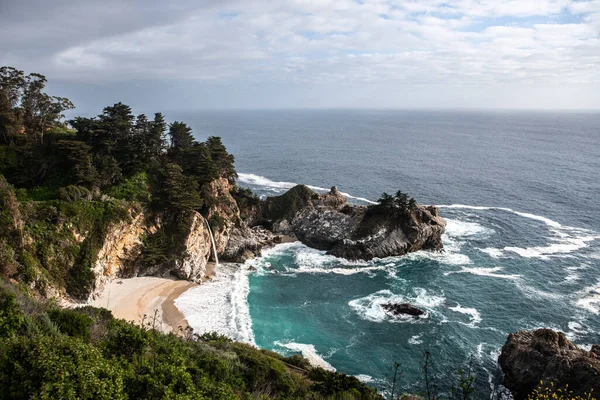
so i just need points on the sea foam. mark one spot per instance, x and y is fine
(370, 307)
(280, 187)
(220, 306)
(309, 352)
(563, 241)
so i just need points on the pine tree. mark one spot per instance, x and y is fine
(178, 191)
(223, 160)
(79, 156)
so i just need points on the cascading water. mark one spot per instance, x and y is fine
(214, 246)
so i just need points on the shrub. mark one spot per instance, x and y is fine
(72, 323)
(134, 188)
(73, 193)
(11, 316)
(43, 367)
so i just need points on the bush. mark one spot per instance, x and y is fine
(72, 323)
(135, 188)
(73, 193)
(11, 316)
(43, 367)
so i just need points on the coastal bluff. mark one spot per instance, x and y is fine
(329, 222)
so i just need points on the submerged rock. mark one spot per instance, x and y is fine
(328, 222)
(402, 308)
(529, 358)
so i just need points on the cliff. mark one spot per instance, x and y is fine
(529, 358)
(328, 222)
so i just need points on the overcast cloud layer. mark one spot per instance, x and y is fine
(310, 53)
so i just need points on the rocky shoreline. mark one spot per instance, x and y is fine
(329, 222)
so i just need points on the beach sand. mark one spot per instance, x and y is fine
(130, 299)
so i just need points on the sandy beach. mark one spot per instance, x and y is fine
(130, 299)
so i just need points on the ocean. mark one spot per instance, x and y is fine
(519, 191)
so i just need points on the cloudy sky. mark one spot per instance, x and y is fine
(188, 54)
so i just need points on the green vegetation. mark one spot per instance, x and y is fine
(289, 203)
(399, 205)
(63, 184)
(85, 353)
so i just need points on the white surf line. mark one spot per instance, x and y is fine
(257, 180)
(568, 238)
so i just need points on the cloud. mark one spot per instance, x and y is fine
(310, 43)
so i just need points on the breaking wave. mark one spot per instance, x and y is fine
(564, 239)
(309, 352)
(370, 307)
(220, 306)
(280, 187)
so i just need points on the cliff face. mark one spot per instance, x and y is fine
(325, 221)
(529, 358)
(122, 244)
(329, 222)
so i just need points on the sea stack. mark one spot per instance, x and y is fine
(329, 222)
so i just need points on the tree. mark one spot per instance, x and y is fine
(178, 191)
(40, 110)
(155, 141)
(12, 82)
(223, 160)
(181, 136)
(78, 154)
(25, 107)
(115, 128)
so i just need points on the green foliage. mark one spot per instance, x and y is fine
(288, 204)
(73, 193)
(176, 191)
(329, 383)
(398, 206)
(84, 353)
(167, 243)
(11, 316)
(134, 188)
(71, 322)
(44, 367)
(223, 160)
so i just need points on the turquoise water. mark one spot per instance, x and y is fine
(522, 248)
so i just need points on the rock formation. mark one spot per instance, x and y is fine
(402, 308)
(529, 358)
(329, 222)
(325, 221)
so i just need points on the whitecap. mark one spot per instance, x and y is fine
(309, 352)
(566, 245)
(492, 252)
(567, 239)
(490, 272)
(458, 229)
(364, 378)
(257, 180)
(416, 339)
(472, 312)
(589, 298)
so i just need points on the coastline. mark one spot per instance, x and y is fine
(137, 299)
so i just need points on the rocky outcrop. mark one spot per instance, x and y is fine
(223, 213)
(402, 309)
(122, 245)
(191, 265)
(529, 358)
(328, 222)
(121, 254)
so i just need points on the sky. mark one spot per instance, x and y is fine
(230, 54)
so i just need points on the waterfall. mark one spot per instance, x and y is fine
(214, 246)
